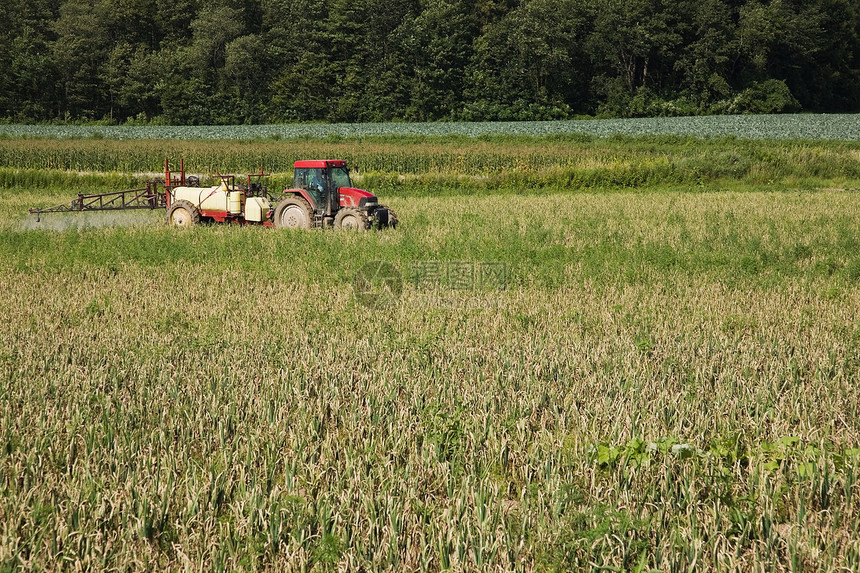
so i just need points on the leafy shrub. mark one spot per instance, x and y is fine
(771, 96)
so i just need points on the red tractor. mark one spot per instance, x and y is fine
(323, 196)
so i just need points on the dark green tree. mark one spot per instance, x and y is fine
(173, 21)
(631, 46)
(227, 61)
(528, 66)
(300, 42)
(138, 94)
(244, 77)
(703, 64)
(437, 44)
(80, 52)
(28, 83)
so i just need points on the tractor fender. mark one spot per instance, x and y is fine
(303, 194)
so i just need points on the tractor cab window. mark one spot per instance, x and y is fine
(312, 180)
(310, 177)
(340, 177)
(306, 177)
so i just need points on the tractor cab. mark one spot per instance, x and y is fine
(322, 180)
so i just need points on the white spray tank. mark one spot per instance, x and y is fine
(235, 201)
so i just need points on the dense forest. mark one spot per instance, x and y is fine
(263, 61)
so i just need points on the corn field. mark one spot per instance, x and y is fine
(430, 166)
(665, 379)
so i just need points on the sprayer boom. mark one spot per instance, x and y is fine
(149, 197)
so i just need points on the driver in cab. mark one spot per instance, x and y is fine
(317, 186)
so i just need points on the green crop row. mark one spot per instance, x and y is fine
(809, 126)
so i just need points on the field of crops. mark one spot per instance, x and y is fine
(660, 375)
(844, 127)
(452, 165)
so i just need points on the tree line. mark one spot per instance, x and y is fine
(263, 61)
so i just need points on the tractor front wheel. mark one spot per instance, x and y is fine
(293, 213)
(182, 214)
(352, 219)
(392, 219)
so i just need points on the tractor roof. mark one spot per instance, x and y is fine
(321, 163)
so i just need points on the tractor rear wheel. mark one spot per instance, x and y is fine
(293, 213)
(352, 219)
(182, 214)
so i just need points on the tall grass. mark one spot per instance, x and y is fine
(667, 382)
